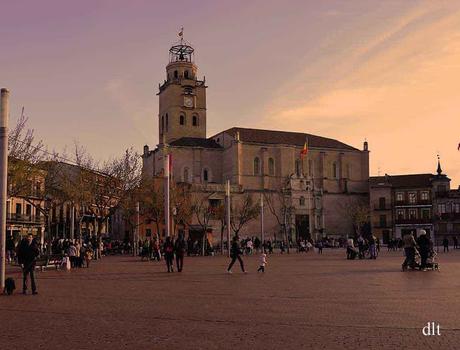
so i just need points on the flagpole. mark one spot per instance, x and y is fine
(228, 216)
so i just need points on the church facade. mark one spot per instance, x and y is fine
(319, 186)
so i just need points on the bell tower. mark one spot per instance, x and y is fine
(182, 97)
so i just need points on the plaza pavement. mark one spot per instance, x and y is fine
(303, 301)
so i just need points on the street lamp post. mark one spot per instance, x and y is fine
(166, 172)
(262, 221)
(4, 111)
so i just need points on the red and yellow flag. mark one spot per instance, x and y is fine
(304, 151)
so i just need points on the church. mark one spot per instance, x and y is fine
(319, 177)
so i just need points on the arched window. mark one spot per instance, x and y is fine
(176, 74)
(298, 167)
(205, 175)
(271, 166)
(167, 122)
(302, 201)
(162, 123)
(334, 170)
(195, 120)
(182, 119)
(186, 74)
(186, 175)
(256, 166)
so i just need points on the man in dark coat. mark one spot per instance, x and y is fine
(424, 244)
(27, 255)
(235, 253)
(179, 248)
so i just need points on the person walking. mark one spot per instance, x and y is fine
(320, 246)
(424, 244)
(262, 262)
(409, 250)
(373, 247)
(168, 248)
(455, 242)
(445, 244)
(27, 254)
(179, 248)
(235, 253)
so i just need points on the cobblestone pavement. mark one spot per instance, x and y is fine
(303, 301)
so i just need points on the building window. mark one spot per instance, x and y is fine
(334, 170)
(167, 122)
(205, 175)
(382, 203)
(310, 167)
(349, 171)
(176, 75)
(256, 166)
(302, 201)
(186, 74)
(182, 119)
(425, 213)
(412, 214)
(400, 214)
(383, 221)
(195, 120)
(186, 175)
(424, 196)
(441, 208)
(271, 166)
(298, 167)
(456, 208)
(399, 197)
(162, 123)
(412, 197)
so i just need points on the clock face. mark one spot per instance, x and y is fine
(188, 101)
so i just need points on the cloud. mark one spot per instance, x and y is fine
(399, 89)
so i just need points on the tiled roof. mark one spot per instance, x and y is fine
(411, 180)
(195, 142)
(287, 138)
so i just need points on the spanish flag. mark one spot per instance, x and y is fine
(304, 151)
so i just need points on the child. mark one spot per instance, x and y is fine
(263, 262)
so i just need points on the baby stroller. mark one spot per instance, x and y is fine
(431, 262)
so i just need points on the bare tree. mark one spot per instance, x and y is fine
(358, 213)
(279, 204)
(203, 212)
(243, 212)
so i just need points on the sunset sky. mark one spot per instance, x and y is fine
(388, 71)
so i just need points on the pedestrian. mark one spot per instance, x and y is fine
(27, 254)
(235, 253)
(372, 247)
(409, 250)
(262, 262)
(455, 242)
(320, 247)
(168, 249)
(179, 248)
(10, 249)
(88, 255)
(445, 243)
(424, 244)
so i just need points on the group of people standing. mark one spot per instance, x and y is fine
(366, 246)
(422, 246)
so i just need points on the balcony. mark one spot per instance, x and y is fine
(413, 221)
(13, 218)
(380, 207)
(447, 217)
(416, 203)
